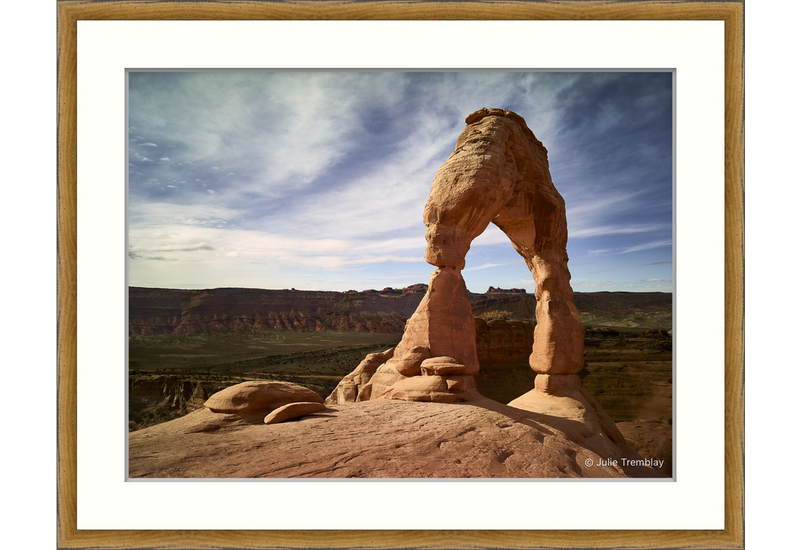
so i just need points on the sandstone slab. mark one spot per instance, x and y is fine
(293, 410)
(259, 396)
(380, 439)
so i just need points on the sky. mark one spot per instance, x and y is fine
(317, 180)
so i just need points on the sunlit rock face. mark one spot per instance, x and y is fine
(498, 173)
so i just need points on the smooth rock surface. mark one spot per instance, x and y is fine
(254, 397)
(380, 439)
(292, 410)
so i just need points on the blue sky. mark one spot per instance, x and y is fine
(317, 180)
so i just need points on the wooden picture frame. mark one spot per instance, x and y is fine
(70, 12)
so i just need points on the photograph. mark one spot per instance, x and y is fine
(409, 257)
(395, 274)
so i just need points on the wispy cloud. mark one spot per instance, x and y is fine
(618, 230)
(320, 178)
(645, 246)
(484, 266)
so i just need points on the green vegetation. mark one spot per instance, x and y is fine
(170, 376)
(231, 352)
(628, 370)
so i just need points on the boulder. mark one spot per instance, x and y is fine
(293, 410)
(259, 396)
(348, 389)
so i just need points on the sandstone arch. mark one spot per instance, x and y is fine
(498, 173)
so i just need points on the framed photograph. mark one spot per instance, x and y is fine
(146, 197)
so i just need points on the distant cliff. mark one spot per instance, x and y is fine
(241, 310)
(154, 311)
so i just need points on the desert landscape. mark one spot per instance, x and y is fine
(426, 381)
(187, 345)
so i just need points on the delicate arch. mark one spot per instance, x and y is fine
(498, 173)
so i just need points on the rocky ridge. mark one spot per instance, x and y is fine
(157, 311)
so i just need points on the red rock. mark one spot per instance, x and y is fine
(259, 396)
(293, 410)
(382, 439)
(351, 385)
(498, 173)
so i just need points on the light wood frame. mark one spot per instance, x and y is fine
(731, 12)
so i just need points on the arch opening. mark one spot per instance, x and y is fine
(498, 173)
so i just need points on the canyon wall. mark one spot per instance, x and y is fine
(155, 311)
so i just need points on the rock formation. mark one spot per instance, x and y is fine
(441, 327)
(497, 174)
(255, 399)
(157, 311)
(187, 313)
(383, 439)
(351, 385)
(293, 410)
